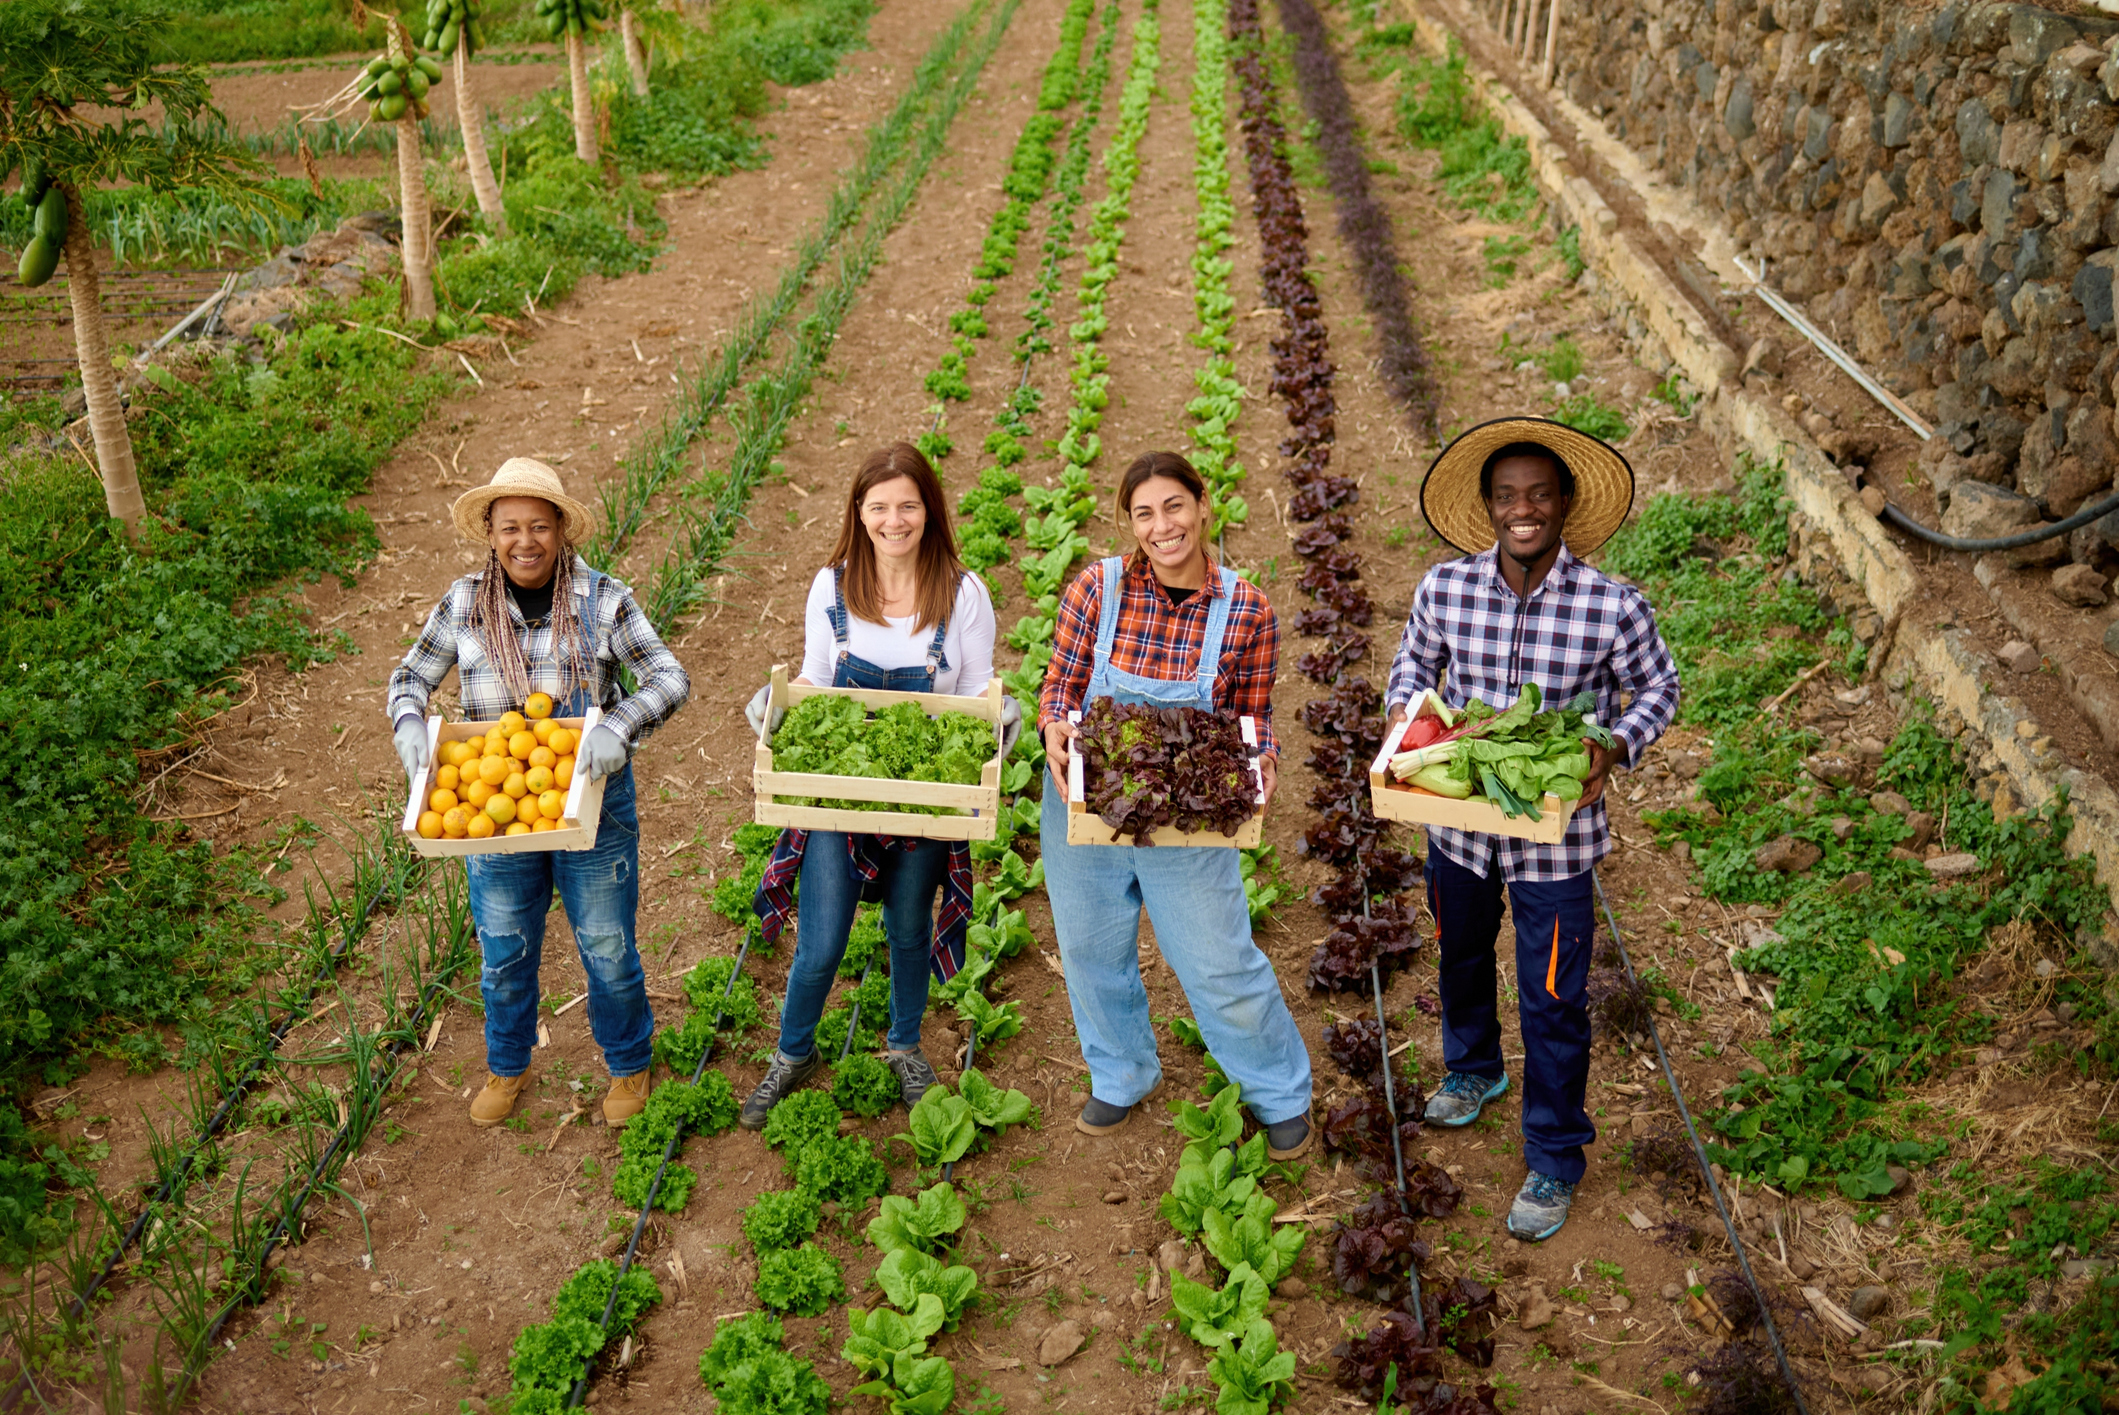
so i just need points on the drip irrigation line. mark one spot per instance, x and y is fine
(1415, 1307)
(2033, 536)
(853, 1021)
(669, 1152)
(1765, 1309)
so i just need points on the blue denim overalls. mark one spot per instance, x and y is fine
(1194, 897)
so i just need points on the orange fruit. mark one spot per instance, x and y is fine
(455, 821)
(511, 723)
(518, 829)
(481, 826)
(493, 747)
(521, 745)
(430, 824)
(501, 807)
(563, 773)
(552, 805)
(543, 756)
(545, 825)
(477, 794)
(441, 801)
(515, 785)
(446, 778)
(539, 705)
(493, 770)
(538, 779)
(543, 728)
(526, 810)
(562, 742)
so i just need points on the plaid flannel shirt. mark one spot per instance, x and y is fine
(1158, 640)
(1580, 631)
(775, 899)
(618, 634)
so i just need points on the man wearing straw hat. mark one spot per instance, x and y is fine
(1523, 498)
(537, 619)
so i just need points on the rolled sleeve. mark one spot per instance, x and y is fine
(1073, 648)
(663, 687)
(431, 658)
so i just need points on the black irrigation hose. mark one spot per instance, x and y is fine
(2033, 536)
(853, 1021)
(1765, 1309)
(669, 1152)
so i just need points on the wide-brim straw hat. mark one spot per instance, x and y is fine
(521, 476)
(1449, 494)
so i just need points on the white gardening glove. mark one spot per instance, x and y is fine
(412, 747)
(606, 752)
(754, 712)
(1011, 724)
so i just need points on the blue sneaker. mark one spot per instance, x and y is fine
(1460, 1098)
(1540, 1207)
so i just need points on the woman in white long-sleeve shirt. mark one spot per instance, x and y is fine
(893, 609)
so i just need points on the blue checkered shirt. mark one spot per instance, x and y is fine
(1579, 632)
(618, 634)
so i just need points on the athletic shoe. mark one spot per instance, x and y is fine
(782, 1079)
(1460, 1098)
(1540, 1207)
(914, 1075)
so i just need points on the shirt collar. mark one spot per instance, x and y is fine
(581, 578)
(1560, 579)
(1137, 565)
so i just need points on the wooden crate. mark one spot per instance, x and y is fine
(1394, 800)
(1084, 828)
(577, 823)
(977, 807)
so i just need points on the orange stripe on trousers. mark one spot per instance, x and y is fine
(1552, 968)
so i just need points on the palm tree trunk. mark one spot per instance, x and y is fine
(418, 245)
(584, 106)
(473, 124)
(635, 51)
(106, 409)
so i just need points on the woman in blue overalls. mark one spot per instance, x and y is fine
(893, 610)
(1167, 627)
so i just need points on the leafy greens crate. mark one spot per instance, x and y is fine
(972, 811)
(1394, 800)
(1086, 829)
(577, 822)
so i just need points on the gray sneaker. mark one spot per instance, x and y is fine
(914, 1075)
(1460, 1098)
(1540, 1207)
(782, 1079)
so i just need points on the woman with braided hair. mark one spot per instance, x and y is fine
(538, 619)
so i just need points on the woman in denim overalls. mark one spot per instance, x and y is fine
(1170, 609)
(894, 610)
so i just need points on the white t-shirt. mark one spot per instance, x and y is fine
(968, 645)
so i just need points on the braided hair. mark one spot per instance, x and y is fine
(490, 622)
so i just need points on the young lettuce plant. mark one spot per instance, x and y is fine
(917, 1386)
(803, 1280)
(1216, 1318)
(882, 1336)
(926, 1223)
(906, 1273)
(1254, 1375)
(1249, 1238)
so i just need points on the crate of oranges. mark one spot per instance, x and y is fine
(494, 788)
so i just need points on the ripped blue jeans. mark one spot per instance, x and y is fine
(600, 889)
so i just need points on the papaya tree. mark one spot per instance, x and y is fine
(575, 19)
(635, 45)
(454, 32)
(395, 84)
(75, 77)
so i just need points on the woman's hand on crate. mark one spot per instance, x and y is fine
(754, 712)
(1057, 734)
(412, 746)
(1269, 771)
(1011, 724)
(605, 752)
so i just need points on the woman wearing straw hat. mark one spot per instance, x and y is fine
(537, 619)
(1523, 498)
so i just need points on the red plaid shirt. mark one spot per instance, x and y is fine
(1157, 640)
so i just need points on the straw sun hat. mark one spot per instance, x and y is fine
(1449, 494)
(520, 476)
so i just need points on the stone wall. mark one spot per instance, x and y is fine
(1934, 184)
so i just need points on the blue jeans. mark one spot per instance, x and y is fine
(1194, 896)
(1555, 927)
(510, 896)
(909, 880)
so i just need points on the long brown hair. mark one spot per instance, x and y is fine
(496, 631)
(1146, 467)
(938, 572)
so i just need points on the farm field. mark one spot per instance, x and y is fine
(1041, 236)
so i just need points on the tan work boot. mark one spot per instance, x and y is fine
(626, 1098)
(495, 1102)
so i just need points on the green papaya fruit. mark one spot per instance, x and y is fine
(555, 25)
(476, 33)
(376, 65)
(416, 85)
(430, 39)
(428, 65)
(34, 181)
(392, 107)
(370, 94)
(39, 259)
(390, 84)
(449, 35)
(50, 221)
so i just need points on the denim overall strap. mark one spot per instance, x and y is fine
(936, 659)
(1210, 647)
(1107, 622)
(836, 611)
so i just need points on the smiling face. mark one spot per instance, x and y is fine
(1170, 523)
(896, 519)
(525, 532)
(1527, 508)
